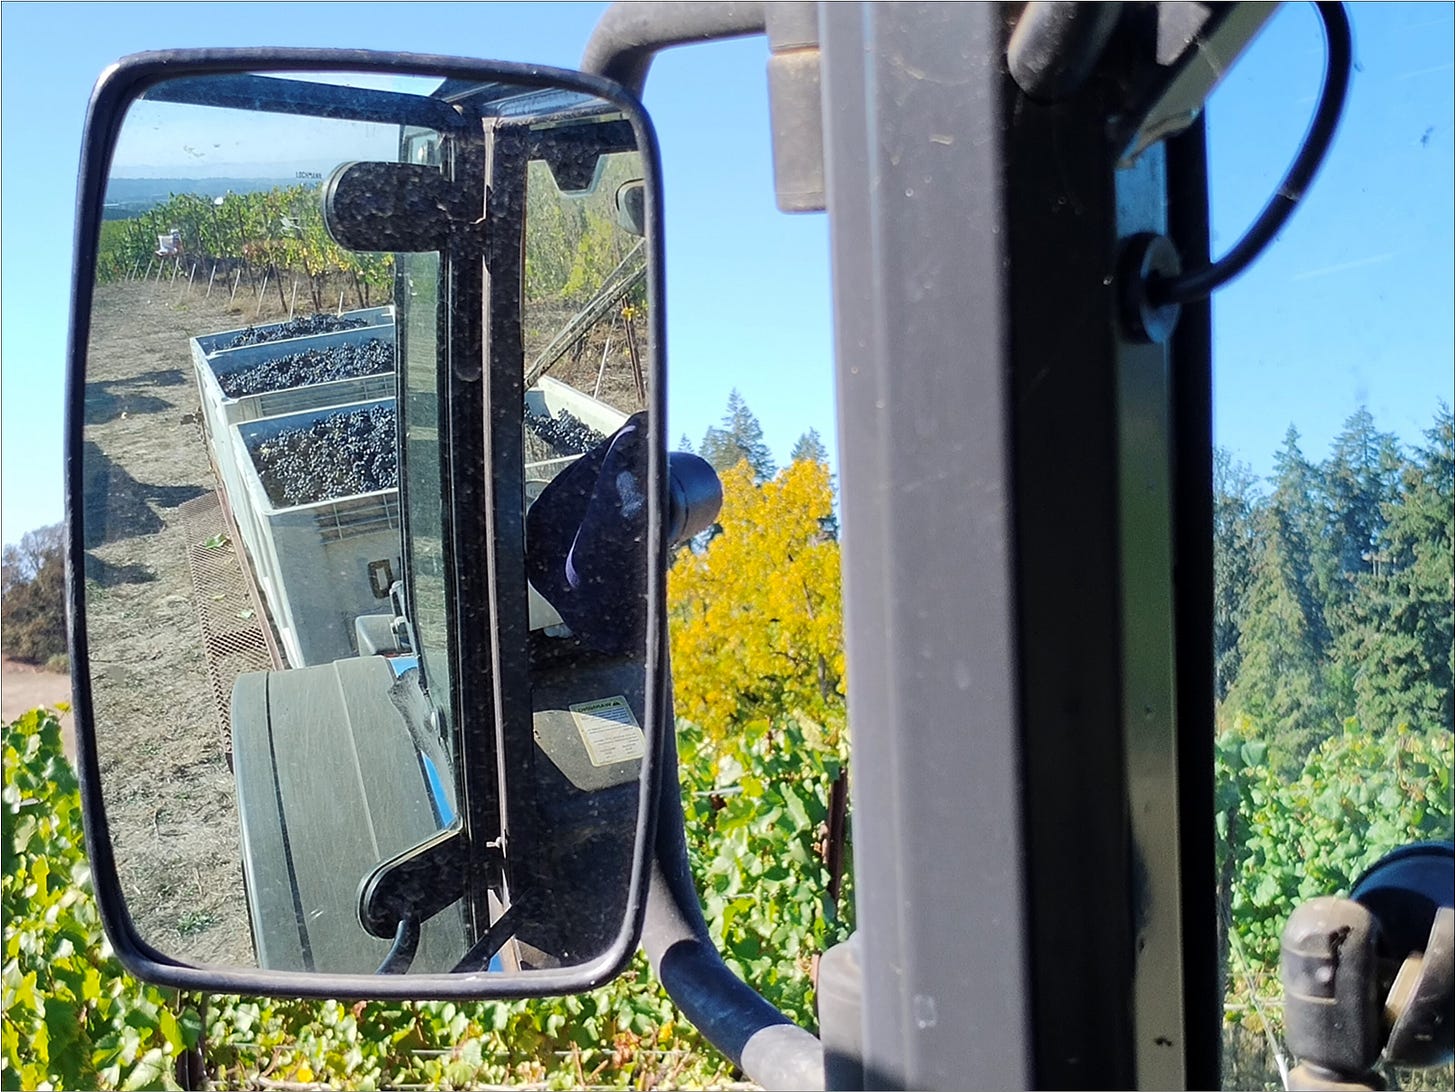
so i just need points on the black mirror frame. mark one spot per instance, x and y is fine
(115, 90)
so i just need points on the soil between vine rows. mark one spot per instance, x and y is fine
(164, 776)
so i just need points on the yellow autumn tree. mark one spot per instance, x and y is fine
(757, 623)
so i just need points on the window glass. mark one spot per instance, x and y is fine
(1333, 490)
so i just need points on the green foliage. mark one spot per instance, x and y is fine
(1234, 549)
(1358, 795)
(757, 806)
(572, 240)
(277, 230)
(1333, 594)
(1399, 632)
(74, 1019)
(71, 1019)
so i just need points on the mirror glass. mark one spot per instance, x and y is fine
(365, 455)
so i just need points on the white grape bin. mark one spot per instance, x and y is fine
(211, 360)
(322, 565)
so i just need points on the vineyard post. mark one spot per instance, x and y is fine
(210, 280)
(293, 297)
(136, 267)
(237, 279)
(341, 302)
(278, 283)
(263, 292)
(636, 360)
(160, 266)
(602, 368)
(191, 276)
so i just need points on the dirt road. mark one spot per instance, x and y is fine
(23, 688)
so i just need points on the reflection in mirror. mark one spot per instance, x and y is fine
(321, 746)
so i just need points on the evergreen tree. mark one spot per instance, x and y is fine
(810, 446)
(1283, 638)
(684, 444)
(1235, 547)
(1397, 648)
(739, 438)
(1300, 523)
(1280, 679)
(1359, 481)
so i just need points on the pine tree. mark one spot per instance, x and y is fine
(684, 444)
(739, 438)
(1283, 638)
(810, 446)
(1235, 547)
(1359, 480)
(1397, 649)
(1300, 524)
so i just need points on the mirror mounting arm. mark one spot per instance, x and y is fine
(631, 33)
(417, 884)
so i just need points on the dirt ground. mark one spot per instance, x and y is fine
(24, 687)
(168, 789)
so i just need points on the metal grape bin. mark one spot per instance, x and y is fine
(320, 566)
(212, 359)
(313, 562)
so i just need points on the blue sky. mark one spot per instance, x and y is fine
(1352, 305)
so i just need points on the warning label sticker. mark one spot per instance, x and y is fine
(609, 730)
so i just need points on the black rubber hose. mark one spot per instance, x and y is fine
(1056, 44)
(402, 953)
(770, 1049)
(1200, 283)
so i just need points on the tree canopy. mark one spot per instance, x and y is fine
(757, 626)
(1334, 592)
(739, 437)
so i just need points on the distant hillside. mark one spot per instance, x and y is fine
(128, 197)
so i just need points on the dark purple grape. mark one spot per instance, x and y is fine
(565, 433)
(309, 367)
(304, 326)
(337, 456)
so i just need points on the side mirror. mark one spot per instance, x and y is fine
(367, 555)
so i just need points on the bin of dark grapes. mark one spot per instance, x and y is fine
(318, 507)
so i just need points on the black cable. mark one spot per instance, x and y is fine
(1197, 284)
(402, 953)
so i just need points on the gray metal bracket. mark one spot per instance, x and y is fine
(631, 33)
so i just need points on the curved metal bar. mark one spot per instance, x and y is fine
(769, 1048)
(631, 33)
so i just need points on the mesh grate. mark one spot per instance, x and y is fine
(235, 639)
